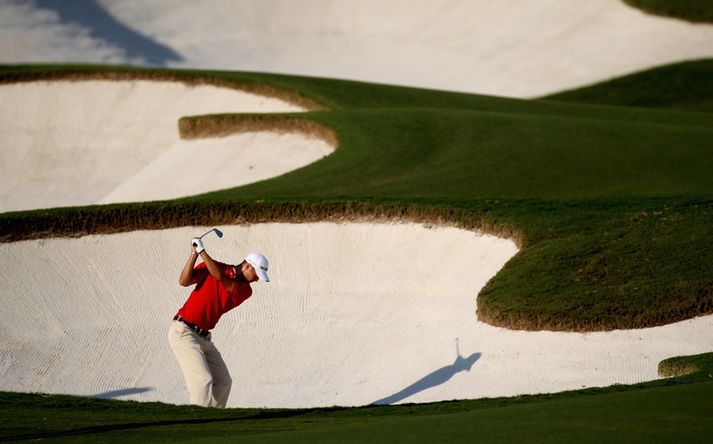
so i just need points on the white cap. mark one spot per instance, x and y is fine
(260, 264)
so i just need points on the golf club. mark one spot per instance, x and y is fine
(217, 233)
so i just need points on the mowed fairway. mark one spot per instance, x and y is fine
(645, 414)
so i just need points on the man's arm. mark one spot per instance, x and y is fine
(189, 276)
(216, 270)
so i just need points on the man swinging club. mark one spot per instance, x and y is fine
(219, 289)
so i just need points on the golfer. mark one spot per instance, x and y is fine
(218, 289)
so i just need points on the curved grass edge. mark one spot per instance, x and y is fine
(511, 299)
(678, 366)
(690, 11)
(25, 74)
(117, 218)
(221, 125)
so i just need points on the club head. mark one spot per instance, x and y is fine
(217, 233)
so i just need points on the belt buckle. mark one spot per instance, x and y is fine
(199, 331)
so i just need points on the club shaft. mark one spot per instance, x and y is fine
(206, 233)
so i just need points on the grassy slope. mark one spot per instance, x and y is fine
(437, 153)
(697, 11)
(678, 409)
(613, 205)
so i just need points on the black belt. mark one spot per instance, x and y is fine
(201, 331)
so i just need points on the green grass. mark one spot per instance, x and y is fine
(699, 11)
(438, 153)
(686, 86)
(612, 206)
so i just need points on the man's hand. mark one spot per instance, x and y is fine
(197, 245)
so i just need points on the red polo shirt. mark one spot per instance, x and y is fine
(210, 299)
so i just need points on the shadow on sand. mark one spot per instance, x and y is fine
(122, 392)
(91, 15)
(433, 379)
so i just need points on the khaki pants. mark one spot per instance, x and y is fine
(204, 370)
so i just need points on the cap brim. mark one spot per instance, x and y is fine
(262, 274)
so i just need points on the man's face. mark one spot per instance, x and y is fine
(249, 273)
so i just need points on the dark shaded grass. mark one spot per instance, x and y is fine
(686, 86)
(697, 11)
(678, 409)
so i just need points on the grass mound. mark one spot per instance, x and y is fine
(700, 365)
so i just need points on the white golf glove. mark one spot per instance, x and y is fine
(196, 242)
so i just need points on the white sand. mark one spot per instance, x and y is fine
(506, 47)
(80, 143)
(356, 313)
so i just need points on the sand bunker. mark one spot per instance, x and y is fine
(507, 47)
(80, 143)
(356, 314)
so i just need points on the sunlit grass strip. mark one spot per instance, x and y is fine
(220, 125)
(687, 365)
(81, 221)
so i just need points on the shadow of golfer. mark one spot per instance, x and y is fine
(433, 379)
(122, 392)
(91, 15)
